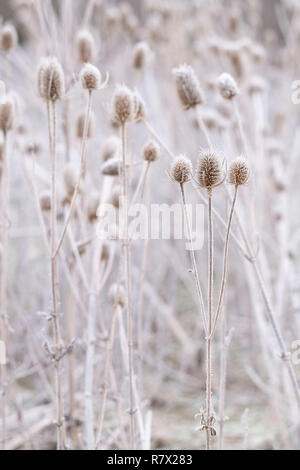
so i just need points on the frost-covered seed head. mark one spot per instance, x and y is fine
(181, 170)
(51, 85)
(188, 88)
(85, 46)
(139, 107)
(8, 37)
(141, 54)
(123, 105)
(151, 151)
(45, 201)
(7, 112)
(238, 171)
(115, 196)
(111, 167)
(208, 172)
(90, 77)
(227, 86)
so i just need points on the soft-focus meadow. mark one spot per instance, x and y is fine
(139, 343)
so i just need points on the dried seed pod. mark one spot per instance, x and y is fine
(70, 178)
(123, 105)
(141, 53)
(45, 201)
(90, 77)
(151, 151)
(7, 112)
(50, 79)
(85, 46)
(111, 167)
(117, 295)
(80, 125)
(92, 206)
(111, 148)
(227, 86)
(115, 196)
(139, 107)
(8, 37)
(181, 170)
(238, 171)
(188, 87)
(208, 172)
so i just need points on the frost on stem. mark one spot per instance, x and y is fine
(188, 87)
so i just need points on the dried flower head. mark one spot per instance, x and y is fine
(141, 53)
(117, 295)
(7, 112)
(8, 37)
(151, 151)
(85, 46)
(227, 86)
(123, 105)
(90, 77)
(209, 172)
(111, 148)
(238, 171)
(139, 107)
(111, 167)
(50, 79)
(45, 201)
(181, 170)
(188, 87)
(80, 125)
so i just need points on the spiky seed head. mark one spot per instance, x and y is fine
(8, 37)
(115, 196)
(51, 81)
(117, 295)
(123, 105)
(111, 148)
(70, 178)
(111, 167)
(90, 77)
(227, 86)
(238, 171)
(85, 46)
(181, 169)
(141, 53)
(139, 107)
(151, 151)
(92, 206)
(7, 112)
(208, 172)
(188, 87)
(45, 201)
(80, 125)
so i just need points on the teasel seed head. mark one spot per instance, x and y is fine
(151, 151)
(111, 148)
(238, 171)
(85, 46)
(51, 79)
(92, 206)
(139, 107)
(141, 53)
(90, 77)
(227, 86)
(45, 201)
(117, 295)
(209, 172)
(188, 87)
(8, 37)
(80, 125)
(123, 105)
(7, 112)
(111, 167)
(181, 170)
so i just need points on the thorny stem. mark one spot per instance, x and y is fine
(128, 285)
(3, 292)
(81, 172)
(225, 261)
(193, 260)
(54, 286)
